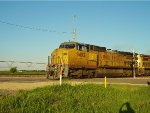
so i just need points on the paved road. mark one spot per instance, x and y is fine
(139, 81)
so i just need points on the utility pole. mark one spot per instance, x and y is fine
(133, 63)
(10, 63)
(74, 30)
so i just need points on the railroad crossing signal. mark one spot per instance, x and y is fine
(133, 63)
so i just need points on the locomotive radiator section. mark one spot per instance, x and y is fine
(143, 65)
(115, 64)
(122, 64)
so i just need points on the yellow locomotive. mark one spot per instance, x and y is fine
(79, 60)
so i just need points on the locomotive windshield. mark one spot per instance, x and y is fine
(69, 46)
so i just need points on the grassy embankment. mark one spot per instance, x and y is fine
(85, 98)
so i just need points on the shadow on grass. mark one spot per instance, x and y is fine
(126, 108)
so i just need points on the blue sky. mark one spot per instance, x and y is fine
(115, 25)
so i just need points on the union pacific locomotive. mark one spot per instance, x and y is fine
(79, 60)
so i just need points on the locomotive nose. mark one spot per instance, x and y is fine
(58, 60)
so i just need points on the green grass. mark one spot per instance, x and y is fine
(87, 98)
(23, 73)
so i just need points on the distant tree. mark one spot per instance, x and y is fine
(13, 69)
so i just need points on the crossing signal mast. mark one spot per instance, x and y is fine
(133, 63)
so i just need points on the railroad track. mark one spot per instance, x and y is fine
(42, 78)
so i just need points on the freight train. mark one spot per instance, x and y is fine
(79, 60)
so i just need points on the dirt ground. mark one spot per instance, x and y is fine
(27, 83)
(24, 83)
(11, 85)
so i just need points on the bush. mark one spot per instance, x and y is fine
(13, 69)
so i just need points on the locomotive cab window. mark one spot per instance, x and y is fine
(69, 46)
(82, 47)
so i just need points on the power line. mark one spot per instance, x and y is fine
(21, 65)
(23, 62)
(31, 28)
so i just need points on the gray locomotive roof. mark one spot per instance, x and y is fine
(72, 42)
(101, 48)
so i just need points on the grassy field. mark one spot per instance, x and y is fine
(23, 73)
(83, 98)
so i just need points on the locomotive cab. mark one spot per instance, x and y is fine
(62, 58)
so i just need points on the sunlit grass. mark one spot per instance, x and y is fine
(86, 98)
